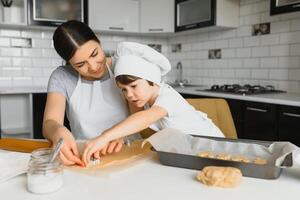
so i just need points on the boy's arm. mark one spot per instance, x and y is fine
(134, 123)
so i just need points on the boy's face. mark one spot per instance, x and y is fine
(137, 93)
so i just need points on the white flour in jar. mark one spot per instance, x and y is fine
(44, 182)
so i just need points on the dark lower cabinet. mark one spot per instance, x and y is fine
(259, 121)
(289, 124)
(39, 102)
(263, 121)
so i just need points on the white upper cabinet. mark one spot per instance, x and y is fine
(13, 12)
(114, 15)
(157, 16)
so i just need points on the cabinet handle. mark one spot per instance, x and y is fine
(256, 109)
(116, 28)
(296, 6)
(291, 114)
(155, 29)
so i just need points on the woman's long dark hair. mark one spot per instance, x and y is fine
(71, 35)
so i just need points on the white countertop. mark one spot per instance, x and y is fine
(22, 90)
(151, 180)
(291, 99)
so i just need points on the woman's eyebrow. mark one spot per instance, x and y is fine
(82, 62)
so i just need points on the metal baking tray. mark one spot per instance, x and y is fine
(267, 171)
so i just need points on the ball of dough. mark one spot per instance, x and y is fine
(206, 154)
(240, 159)
(260, 161)
(220, 176)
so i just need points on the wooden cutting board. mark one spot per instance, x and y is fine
(22, 145)
(128, 156)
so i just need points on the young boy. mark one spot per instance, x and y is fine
(158, 105)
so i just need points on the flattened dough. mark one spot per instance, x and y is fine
(226, 177)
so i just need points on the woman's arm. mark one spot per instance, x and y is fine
(134, 123)
(54, 129)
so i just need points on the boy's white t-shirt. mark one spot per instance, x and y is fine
(181, 115)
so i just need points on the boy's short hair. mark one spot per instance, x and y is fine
(127, 79)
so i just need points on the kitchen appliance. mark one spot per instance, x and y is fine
(246, 89)
(284, 6)
(191, 14)
(55, 12)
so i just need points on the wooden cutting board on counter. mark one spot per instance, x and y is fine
(22, 145)
(128, 156)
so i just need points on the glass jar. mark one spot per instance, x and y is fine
(42, 176)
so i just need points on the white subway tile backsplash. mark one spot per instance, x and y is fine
(49, 53)
(32, 52)
(269, 62)
(289, 62)
(271, 39)
(42, 43)
(5, 82)
(5, 61)
(21, 81)
(32, 34)
(235, 63)
(260, 51)
(290, 38)
(295, 25)
(244, 31)
(10, 33)
(260, 74)
(228, 53)
(4, 41)
(279, 74)
(294, 74)
(243, 52)
(21, 61)
(222, 44)
(251, 63)
(290, 86)
(12, 71)
(33, 72)
(10, 52)
(252, 19)
(237, 42)
(251, 41)
(280, 50)
(280, 26)
(242, 73)
(40, 81)
(295, 50)
(41, 62)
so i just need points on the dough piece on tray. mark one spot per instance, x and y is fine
(220, 176)
(260, 161)
(206, 154)
(223, 156)
(240, 159)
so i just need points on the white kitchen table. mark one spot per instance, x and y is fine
(151, 180)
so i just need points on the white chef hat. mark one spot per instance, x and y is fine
(141, 61)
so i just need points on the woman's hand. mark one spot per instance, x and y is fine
(69, 153)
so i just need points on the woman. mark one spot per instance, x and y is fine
(85, 88)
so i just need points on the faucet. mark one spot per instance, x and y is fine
(180, 81)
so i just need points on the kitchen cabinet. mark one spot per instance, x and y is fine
(289, 124)
(263, 121)
(157, 16)
(14, 13)
(259, 121)
(114, 15)
(38, 106)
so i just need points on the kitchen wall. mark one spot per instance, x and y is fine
(27, 57)
(266, 59)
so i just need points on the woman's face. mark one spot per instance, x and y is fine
(89, 60)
